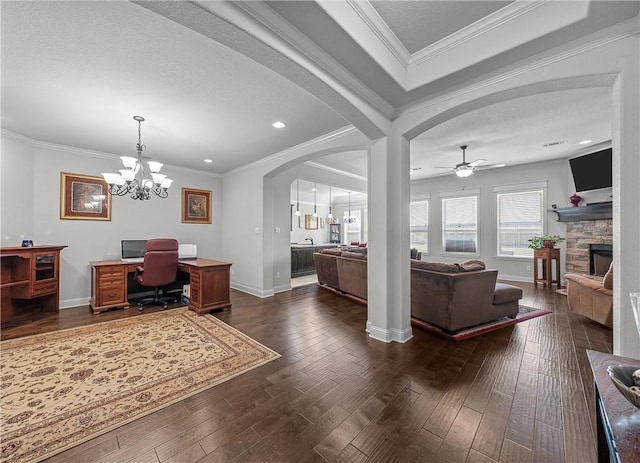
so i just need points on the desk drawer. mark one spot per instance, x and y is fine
(111, 281)
(44, 288)
(111, 272)
(111, 295)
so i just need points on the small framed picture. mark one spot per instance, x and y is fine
(84, 197)
(196, 206)
(310, 222)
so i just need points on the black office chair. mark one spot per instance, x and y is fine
(160, 268)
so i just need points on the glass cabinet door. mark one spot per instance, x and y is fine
(44, 266)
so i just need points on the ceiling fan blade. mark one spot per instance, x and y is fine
(490, 166)
(476, 162)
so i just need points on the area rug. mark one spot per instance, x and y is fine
(63, 388)
(524, 313)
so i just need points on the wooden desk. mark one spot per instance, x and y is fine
(617, 419)
(547, 255)
(209, 279)
(30, 281)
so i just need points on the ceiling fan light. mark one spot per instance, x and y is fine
(464, 172)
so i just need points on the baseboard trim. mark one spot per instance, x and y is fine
(281, 288)
(77, 302)
(389, 335)
(262, 293)
(515, 278)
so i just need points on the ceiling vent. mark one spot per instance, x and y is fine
(554, 143)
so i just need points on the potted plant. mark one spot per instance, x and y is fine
(544, 241)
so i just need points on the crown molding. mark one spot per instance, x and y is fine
(300, 42)
(303, 146)
(474, 30)
(334, 170)
(17, 137)
(620, 31)
(381, 30)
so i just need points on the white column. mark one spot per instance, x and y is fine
(388, 254)
(626, 217)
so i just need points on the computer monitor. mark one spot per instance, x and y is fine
(133, 248)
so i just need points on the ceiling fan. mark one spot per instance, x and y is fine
(464, 169)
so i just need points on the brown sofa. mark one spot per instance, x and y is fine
(591, 297)
(450, 296)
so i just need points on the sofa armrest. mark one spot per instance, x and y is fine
(588, 283)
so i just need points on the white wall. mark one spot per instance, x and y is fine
(16, 188)
(89, 240)
(553, 172)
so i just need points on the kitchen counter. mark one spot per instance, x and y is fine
(302, 258)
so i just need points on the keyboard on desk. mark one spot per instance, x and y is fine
(133, 260)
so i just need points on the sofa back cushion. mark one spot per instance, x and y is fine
(435, 266)
(331, 251)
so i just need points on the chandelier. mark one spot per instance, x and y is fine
(131, 179)
(350, 218)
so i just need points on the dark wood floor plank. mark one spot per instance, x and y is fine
(334, 383)
(493, 425)
(457, 443)
(513, 452)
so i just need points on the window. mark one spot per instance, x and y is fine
(419, 225)
(352, 230)
(460, 224)
(520, 217)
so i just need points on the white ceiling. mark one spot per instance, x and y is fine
(75, 73)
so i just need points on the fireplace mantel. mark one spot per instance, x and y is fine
(595, 211)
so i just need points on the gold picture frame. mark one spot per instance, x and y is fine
(84, 197)
(196, 205)
(310, 222)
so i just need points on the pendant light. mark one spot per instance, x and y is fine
(298, 197)
(349, 218)
(315, 200)
(330, 216)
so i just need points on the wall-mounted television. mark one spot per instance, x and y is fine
(592, 171)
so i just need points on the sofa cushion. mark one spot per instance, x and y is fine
(607, 281)
(473, 265)
(506, 293)
(331, 251)
(354, 255)
(435, 266)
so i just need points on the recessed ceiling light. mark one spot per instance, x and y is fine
(584, 142)
(208, 161)
(279, 125)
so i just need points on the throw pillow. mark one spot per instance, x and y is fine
(607, 281)
(473, 265)
(330, 251)
(354, 255)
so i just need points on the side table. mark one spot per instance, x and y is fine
(547, 255)
(617, 419)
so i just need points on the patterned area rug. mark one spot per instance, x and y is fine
(524, 313)
(63, 388)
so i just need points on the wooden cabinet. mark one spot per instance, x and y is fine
(210, 281)
(108, 285)
(30, 281)
(302, 259)
(546, 258)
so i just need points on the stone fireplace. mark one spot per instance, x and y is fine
(585, 251)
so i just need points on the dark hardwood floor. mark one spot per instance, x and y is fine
(520, 394)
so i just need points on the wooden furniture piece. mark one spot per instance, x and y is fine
(335, 236)
(546, 255)
(302, 258)
(209, 279)
(30, 281)
(617, 419)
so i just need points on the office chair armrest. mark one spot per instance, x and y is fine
(139, 270)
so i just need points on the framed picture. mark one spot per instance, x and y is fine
(196, 206)
(310, 222)
(84, 197)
